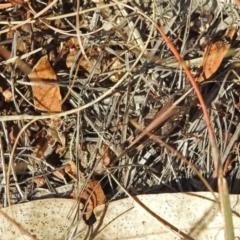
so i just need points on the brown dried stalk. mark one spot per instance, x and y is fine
(166, 112)
(21, 65)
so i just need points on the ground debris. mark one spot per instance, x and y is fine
(94, 98)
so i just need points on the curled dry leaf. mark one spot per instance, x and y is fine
(46, 97)
(214, 54)
(92, 195)
(71, 169)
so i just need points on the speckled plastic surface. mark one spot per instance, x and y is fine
(46, 219)
(197, 216)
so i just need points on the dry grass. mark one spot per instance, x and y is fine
(114, 69)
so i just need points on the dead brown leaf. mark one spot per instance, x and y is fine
(214, 55)
(46, 97)
(92, 195)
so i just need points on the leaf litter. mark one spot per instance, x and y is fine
(55, 61)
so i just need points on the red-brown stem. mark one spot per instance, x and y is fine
(165, 113)
(215, 152)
